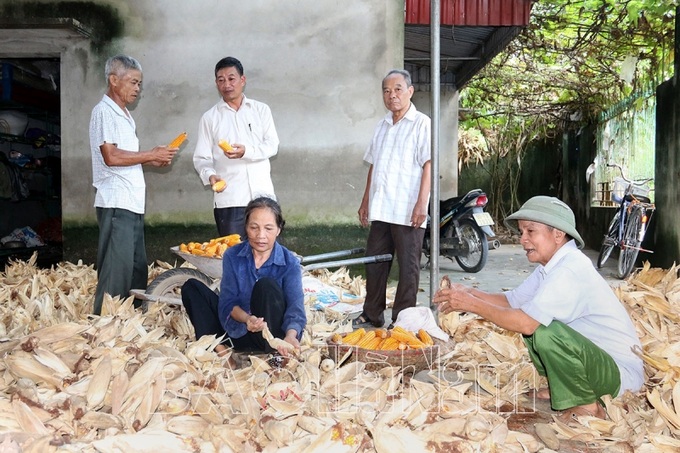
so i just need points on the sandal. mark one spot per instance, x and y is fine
(362, 321)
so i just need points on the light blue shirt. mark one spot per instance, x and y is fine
(570, 290)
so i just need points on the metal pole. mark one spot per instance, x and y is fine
(435, 25)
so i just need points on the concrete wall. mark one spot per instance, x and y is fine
(317, 64)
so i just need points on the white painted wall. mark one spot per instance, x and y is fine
(318, 64)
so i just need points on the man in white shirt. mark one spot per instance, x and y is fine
(119, 182)
(577, 332)
(396, 199)
(248, 127)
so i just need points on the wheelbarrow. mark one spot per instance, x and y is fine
(167, 286)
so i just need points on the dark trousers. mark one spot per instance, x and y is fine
(267, 301)
(121, 254)
(407, 243)
(231, 221)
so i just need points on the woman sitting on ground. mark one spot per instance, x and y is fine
(261, 285)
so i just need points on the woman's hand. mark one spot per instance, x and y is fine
(255, 324)
(291, 338)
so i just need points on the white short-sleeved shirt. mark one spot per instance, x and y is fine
(117, 187)
(397, 153)
(570, 290)
(251, 125)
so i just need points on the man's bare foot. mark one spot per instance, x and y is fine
(543, 394)
(591, 410)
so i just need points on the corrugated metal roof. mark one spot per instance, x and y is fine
(471, 12)
(472, 33)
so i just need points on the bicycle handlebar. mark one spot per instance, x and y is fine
(637, 182)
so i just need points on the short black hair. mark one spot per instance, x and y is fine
(229, 62)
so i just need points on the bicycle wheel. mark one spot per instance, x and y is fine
(609, 241)
(631, 243)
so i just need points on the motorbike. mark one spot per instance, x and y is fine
(464, 231)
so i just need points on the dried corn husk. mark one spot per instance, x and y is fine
(134, 381)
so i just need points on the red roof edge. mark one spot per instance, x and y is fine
(487, 13)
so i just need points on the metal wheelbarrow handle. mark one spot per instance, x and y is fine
(349, 262)
(330, 255)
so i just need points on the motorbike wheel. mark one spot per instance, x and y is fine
(631, 244)
(609, 241)
(479, 246)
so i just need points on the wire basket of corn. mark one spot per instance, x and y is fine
(378, 348)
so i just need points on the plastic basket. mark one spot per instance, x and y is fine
(620, 186)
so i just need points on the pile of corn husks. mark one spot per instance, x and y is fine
(133, 381)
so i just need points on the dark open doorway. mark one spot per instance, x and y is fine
(30, 160)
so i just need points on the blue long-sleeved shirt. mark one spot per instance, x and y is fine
(239, 276)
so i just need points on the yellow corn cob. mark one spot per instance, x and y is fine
(336, 338)
(382, 333)
(178, 140)
(354, 337)
(366, 338)
(233, 239)
(425, 337)
(219, 185)
(389, 344)
(225, 145)
(372, 344)
(404, 336)
(229, 239)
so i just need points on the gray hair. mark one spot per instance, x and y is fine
(402, 72)
(120, 65)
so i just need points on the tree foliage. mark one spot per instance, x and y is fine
(574, 60)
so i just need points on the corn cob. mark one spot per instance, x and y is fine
(231, 239)
(219, 185)
(354, 337)
(374, 343)
(425, 337)
(226, 147)
(370, 335)
(389, 344)
(177, 142)
(404, 336)
(382, 333)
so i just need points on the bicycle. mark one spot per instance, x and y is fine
(628, 227)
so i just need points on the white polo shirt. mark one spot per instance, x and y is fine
(570, 290)
(397, 153)
(117, 187)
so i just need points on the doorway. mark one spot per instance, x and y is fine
(30, 160)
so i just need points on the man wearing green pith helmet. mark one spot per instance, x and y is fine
(578, 334)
